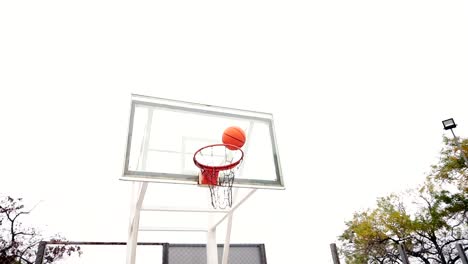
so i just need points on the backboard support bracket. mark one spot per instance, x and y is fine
(137, 197)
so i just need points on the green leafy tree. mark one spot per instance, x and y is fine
(429, 221)
(452, 168)
(18, 243)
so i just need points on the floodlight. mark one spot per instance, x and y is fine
(449, 124)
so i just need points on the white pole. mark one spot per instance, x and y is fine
(172, 229)
(211, 247)
(227, 240)
(184, 210)
(134, 223)
(142, 186)
(131, 228)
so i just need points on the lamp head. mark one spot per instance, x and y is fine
(449, 124)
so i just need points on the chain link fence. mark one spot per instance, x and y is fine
(154, 253)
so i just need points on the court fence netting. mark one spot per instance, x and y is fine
(154, 253)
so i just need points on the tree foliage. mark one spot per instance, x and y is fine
(452, 168)
(18, 243)
(429, 220)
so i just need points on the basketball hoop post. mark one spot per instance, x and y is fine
(164, 133)
(135, 220)
(211, 245)
(140, 189)
(227, 239)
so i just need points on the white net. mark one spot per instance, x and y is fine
(218, 165)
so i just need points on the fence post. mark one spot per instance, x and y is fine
(461, 253)
(334, 251)
(404, 257)
(40, 252)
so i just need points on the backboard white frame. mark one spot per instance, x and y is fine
(145, 176)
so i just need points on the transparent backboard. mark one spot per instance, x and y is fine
(164, 134)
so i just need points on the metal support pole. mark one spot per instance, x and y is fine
(137, 199)
(334, 252)
(135, 222)
(227, 239)
(404, 257)
(40, 252)
(211, 247)
(461, 253)
(460, 147)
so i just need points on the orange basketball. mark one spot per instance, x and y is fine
(234, 136)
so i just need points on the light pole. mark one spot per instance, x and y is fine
(450, 124)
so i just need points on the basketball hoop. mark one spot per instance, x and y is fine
(218, 165)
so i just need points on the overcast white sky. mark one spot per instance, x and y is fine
(358, 90)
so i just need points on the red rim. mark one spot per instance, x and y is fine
(218, 168)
